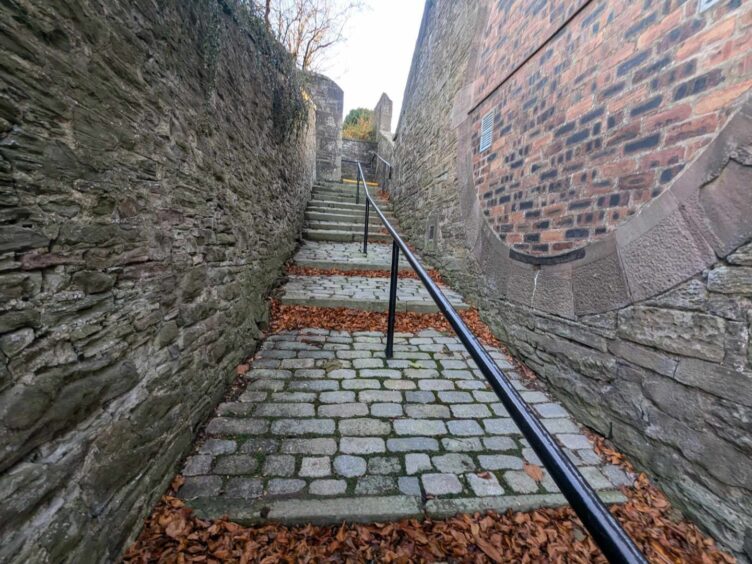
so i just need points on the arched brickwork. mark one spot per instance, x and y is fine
(704, 214)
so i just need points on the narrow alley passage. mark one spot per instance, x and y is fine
(328, 429)
(325, 449)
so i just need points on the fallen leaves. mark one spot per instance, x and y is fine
(172, 534)
(291, 317)
(534, 471)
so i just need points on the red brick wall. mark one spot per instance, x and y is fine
(605, 114)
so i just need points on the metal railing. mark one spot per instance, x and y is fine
(616, 545)
(383, 160)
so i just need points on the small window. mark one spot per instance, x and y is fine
(486, 131)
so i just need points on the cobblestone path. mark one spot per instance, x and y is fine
(329, 429)
(371, 294)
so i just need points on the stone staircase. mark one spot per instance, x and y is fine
(334, 215)
(334, 240)
(328, 429)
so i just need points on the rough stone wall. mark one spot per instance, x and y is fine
(425, 176)
(148, 198)
(598, 105)
(645, 334)
(384, 174)
(358, 150)
(328, 98)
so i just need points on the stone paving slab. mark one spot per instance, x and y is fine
(326, 417)
(346, 256)
(369, 294)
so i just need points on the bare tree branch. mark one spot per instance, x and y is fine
(308, 28)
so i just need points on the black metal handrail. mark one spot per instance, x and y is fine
(383, 160)
(612, 539)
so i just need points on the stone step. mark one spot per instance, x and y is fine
(333, 185)
(368, 294)
(358, 214)
(343, 202)
(338, 226)
(341, 187)
(344, 236)
(357, 211)
(338, 205)
(339, 190)
(338, 198)
(342, 193)
(341, 217)
(346, 256)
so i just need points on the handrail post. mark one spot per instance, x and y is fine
(392, 301)
(357, 192)
(365, 228)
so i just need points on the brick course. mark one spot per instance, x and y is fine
(604, 114)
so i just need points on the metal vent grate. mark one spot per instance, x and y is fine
(486, 131)
(706, 5)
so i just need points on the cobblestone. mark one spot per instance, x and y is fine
(358, 428)
(454, 462)
(217, 446)
(343, 410)
(371, 294)
(279, 465)
(386, 410)
(315, 467)
(484, 485)
(427, 411)
(419, 427)
(361, 445)
(280, 486)
(245, 488)
(236, 464)
(197, 465)
(441, 484)
(417, 462)
(465, 427)
(328, 487)
(384, 465)
(289, 427)
(413, 443)
(376, 485)
(409, 486)
(364, 427)
(520, 482)
(350, 466)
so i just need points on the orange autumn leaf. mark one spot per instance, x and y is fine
(534, 471)
(489, 550)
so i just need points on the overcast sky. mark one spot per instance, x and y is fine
(376, 54)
